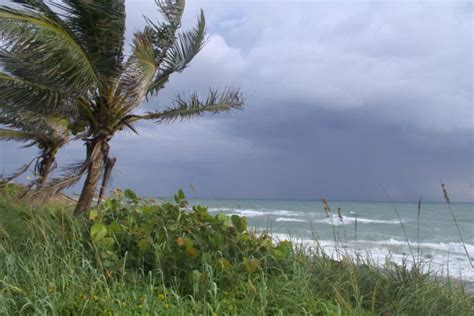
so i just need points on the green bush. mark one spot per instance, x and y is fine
(129, 233)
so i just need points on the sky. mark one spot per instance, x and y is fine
(348, 100)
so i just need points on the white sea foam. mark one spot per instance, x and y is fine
(452, 247)
(439, 258)
(289, 219)
(254, 212)
(334, 220)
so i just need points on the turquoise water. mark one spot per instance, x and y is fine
(378, 232)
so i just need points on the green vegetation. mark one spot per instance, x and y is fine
(69, 59)
(47, 133)
(131, 256)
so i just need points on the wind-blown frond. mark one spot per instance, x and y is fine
(30, 96)
(18, 172)
(71, 176)
(47, 133)
(172, 10)
(27, 121)
(175, 59)
(139, 72)
(16, 135)
(49, 49)
(99, 26)
(193, 107)
(39, 5)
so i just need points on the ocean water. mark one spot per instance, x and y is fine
(369, 229)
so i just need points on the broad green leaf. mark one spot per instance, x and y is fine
(93, 214)
(129, 194)
(180, 197)
(111, 204)
(181, 194)
(278, 253)
(108, 242)
(114, 228)
(240, 223)
(222, 217)
(98, 231)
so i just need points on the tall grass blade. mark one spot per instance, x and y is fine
(448, 201)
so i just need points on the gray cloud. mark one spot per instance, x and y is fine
(343, 98)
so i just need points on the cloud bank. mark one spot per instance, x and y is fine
(343, 99)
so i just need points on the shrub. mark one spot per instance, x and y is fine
(185, 245)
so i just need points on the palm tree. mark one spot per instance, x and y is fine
(77, 54)
(49, 134)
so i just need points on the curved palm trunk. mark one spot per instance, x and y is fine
(98, 149)
(46, 165)
(109, 165)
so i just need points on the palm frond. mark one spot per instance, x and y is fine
(183, 109)
(15, 135)
(172, 10)
(39, 5)
(184, 48)
(99, 26)
(30, 96)
(71, 175)
(47, 133)
(50, 49)
(26, 121)
(139, 72)
(18, 172)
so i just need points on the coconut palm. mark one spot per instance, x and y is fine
(75, 55)
(48, 134)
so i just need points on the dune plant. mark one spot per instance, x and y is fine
(128, 232)
(55, 265)
(448, 202)
(77, 49)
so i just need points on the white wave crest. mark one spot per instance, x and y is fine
(439, 257)
(289, 219)
(335, 220)
(254, 212)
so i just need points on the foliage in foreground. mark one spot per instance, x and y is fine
(133, 257)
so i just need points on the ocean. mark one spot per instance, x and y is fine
(378, 234)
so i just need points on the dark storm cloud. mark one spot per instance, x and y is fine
(343, 99)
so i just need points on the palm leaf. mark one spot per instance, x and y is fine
(42, 131)
(138, 74)
(99, 26)
(172, 10)
(18, 172)
(26, 95)
(50, 49)
(194, 107)
(71, 175)
(184, 48)
(15, 135)
(27, 121)
(39, 5)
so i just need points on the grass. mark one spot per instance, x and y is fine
(48, 268)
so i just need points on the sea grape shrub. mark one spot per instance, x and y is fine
(184, 244)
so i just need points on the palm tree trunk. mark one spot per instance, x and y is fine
(109, 165)
(97, 151)
(46, 165)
